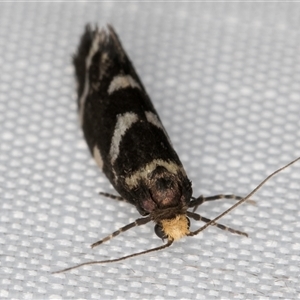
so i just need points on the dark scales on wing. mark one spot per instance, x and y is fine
(142, 143)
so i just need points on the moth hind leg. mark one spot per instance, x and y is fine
(115, 197)
(195, 202)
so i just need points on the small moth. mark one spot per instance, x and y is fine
(129, 143)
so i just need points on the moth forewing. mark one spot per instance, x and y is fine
(125, 135)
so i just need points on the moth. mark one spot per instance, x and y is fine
(129, 143)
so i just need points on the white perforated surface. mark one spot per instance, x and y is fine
(225, 80)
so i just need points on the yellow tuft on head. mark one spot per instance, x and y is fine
(176, 228)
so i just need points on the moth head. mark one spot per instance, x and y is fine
(173, 229)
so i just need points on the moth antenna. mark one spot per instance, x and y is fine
(137, 222)
(168, 244)
(213, 222)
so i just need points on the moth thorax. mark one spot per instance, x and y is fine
(176, 228)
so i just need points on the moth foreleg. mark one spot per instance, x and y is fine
(137, 222)
(197, 217)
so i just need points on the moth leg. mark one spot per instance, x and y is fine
(195, 202)
(119, 198)
(197, 217)
(137, 222)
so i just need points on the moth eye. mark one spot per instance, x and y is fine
(159, 232)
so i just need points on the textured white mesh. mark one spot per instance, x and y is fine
(225, 80)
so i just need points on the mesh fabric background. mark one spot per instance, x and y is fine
(225, 79)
